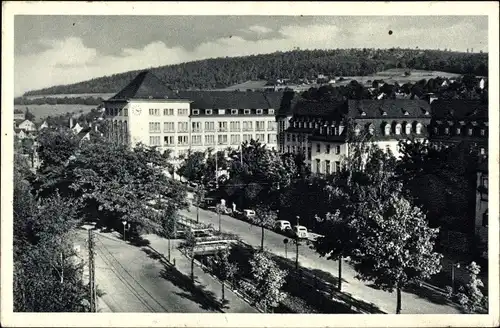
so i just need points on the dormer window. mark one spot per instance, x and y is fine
(234, 112)
(387, 129)
(310, 125)
(425, 111)
(246, 111)
(222, 111)
(384, 113)
(271, 111)
(446, 130)
(405, 112)
(362, 113)
(483, 132)
(341, 129)
(419, 128)
(469, 131)
(196, 112)
(398, 129)
(459, 131)
(408, 128)
(208, 111)
(259, 111)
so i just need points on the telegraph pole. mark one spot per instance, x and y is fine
(297, 246)
(92, 288)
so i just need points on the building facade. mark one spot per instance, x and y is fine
(147, 111)
(320, 130)
(481, 219)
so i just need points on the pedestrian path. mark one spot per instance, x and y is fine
(203, 280)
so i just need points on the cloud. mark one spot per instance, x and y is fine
(260, 29)
(69, 60)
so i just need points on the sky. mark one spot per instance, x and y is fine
(55, 50)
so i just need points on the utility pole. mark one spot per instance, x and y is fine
(92, 288)
(297, 246)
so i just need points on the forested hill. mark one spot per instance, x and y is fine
(294, 65)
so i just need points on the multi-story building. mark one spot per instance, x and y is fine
(320, 130)
(481, 219)
(460, 121)
(149, 112)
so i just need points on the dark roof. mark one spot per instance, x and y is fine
(317, 108)
(83, 132)
(459, 109)
(399, 108)
(145, 85)
(227, 99)
(288, 101)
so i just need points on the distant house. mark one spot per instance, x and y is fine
(77, 128)
(19, 115)
(481, 84)
(43, 125)
(19, 133)
(83, 135)
(27, 126)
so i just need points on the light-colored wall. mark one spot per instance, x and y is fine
(28, 126)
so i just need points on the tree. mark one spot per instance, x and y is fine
(470, 296)
(199, 196)
(189, 244)
(265, 219)
(394, 246)
(224, 269)
(28, 115)
(269, 280)
(193, 167)
(46, 276)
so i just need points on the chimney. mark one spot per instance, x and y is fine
(71, 122)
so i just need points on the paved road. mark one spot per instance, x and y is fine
(136, 282)
(428, 303)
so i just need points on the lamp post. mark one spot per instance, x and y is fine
(124, 222)
(285, 241)
(455, 265)
(297, 246)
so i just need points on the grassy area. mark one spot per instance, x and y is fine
(42, 111)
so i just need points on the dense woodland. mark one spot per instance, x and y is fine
(294, 65)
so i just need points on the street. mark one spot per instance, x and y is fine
(425, 303)
(135, 282)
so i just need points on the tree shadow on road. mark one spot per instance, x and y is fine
(196, 293)
(430, 295)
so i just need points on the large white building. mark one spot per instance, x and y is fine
(149, 112)
(319, 130)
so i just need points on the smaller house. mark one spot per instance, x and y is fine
(83, 135)
(27, 126)
(19, 115)
(77, 128)
(19, 133)
(43, 125)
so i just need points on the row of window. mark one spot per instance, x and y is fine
(327, 167)
(246, 111)
(168, 112)
(210, 126)
(116, 111)
(393, 128)
(458, 131)
(210, 139)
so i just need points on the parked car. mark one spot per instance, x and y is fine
(228, 211)
(282, 225)
(248, 214)
(300, 232)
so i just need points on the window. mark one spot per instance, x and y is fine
(271, 111)
(485, 219)
(196, 140)
(221, 111)
(271, 126)
(293, 149)
(435, 130)
(259, 111)
(419, 128)
(405, 112)
(154, 126)
(288, 137)
(260, 137)
(271, 138)
(168, 127)
(182, 140)
(208, 111)
(459, 131)
(235, 126)
(371, 129)
(222, 126)
(246, 112)
(337, 149)
(209, 140)
(165, 111)
(483, 151)
(469, 132)
(125, 112)
(222, 139)
(337, 166)
(309, 153)
(318, 166)
(483, 132)
(446, 130)
(260, 125)
(357, 130)
(182, 127)
(294, 138)
(407, 128)
(247, 126)
(318, 148)
(247, 137)
(196, 126)
(234, 112)
(235, 139)
(168, 141)
(327, 167)
(398, 129)
(327, 149)
(154, 111)
(196, 112)
(288, 149)
(182, 111)
(209, 126)
(154, 141)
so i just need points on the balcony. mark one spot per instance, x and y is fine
(248, 129)
(222, 130)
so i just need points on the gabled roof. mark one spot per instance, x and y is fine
(391, 107)
(459, 109)
(227, 99)
(145, 85)
(83, 132)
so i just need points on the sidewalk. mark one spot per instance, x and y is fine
(203, 280)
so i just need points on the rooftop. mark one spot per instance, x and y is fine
(459, 109)
(230, 99)
(145, 85)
